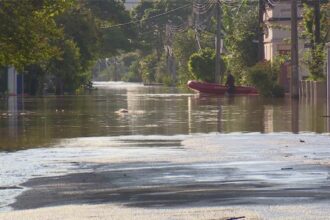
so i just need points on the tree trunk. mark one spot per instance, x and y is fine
(294, 51)
(59, 86)
(317, 18)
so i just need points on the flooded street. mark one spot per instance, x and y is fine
(170, 149)
(38, 121)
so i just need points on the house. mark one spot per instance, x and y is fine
(277, 32)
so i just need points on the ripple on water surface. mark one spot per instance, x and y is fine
(277, 161)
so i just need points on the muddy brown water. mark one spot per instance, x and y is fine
(33, 122)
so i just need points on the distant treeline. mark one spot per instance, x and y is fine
(60, 46)
(55, 44)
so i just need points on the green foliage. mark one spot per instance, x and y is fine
(202, 65)
(148, 68)
(134, 72)
(315, 56)
(184, 45)
(315, 59)
(79, 25)
(57, 42)
(28, 30)
(309, 23)
(163, 74)
(154, 70)
(129, 58)
(152, 33)
(264, 77)
(124, 67)
(35, 79)
(108, 13)
(67, 69)
(241, 27)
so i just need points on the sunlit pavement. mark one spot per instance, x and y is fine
(170, 171)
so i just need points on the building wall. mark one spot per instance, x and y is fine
(277, 36)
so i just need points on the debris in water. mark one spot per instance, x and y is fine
(235, 218)
(122, 111)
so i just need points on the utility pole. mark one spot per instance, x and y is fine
(218, 76)
(294, 51)
(260, 31)
(115, 70)
(328, 83)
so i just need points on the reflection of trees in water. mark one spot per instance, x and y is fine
(255, 114)
(243, 113)
(150, 111)
(157, 112)
(46, 119)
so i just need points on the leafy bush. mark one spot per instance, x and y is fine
(315, 56)
(167, 80)
(278, 91)
(202, 65)
(315, 59)
(148, 68)
(134, 73)
(67, 69)
(129, 58)
(264, 77)
(161, 70)
(241, 27)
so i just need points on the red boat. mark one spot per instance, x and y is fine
(214, 88)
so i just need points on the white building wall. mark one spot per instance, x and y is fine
(278, 33)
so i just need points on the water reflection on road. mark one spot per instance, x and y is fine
(34, 121)
(166, 142)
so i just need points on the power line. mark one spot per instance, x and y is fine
(227, 1)
(147, 19)
(193, 3)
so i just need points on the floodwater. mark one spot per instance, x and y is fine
(169, 142)
(38, 121)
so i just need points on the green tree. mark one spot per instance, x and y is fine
(79, 25)
(134, 72)
(264, 76)
(67, 69)
(316, 28)
(151, 28)
(148, 68)
(28, 30)
(107, 14)
(241, 29)
(184, 45)
(202, 65)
